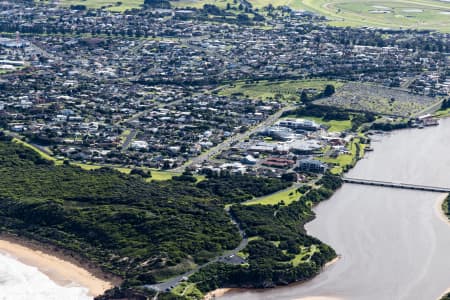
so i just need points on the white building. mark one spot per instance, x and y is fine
(299, 124)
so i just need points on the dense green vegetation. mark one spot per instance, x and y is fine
(142, 231)
(161, 227)
(148, 231)
(444, 111)
(279, 251)
(239, 188)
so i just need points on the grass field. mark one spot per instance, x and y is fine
(334, 125)
(41, 153)
(288, 196)
(305, 255)
(416, 14)
(187, 289)
(112, 5)
(265, 90)
(344, 161)
(443, 113)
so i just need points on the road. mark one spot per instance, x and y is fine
(19, 137)
(431, 109)
(227, 257)
(129, 139)
(235, 138)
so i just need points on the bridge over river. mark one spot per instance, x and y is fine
(397, 185)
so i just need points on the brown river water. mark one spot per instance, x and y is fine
(393, 244)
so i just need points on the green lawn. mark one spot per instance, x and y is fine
(189, 290)
(443, 113)
(265, 90)
(41, 153)
(162, 175)
(306, 251)
(119, 6)
(334, 125)
(345, 160)
(288, 196)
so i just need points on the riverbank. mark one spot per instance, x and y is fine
(61, 268)
(440, 210)
(443, 216)
(365, 223)
(222, 291)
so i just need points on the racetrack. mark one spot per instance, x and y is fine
(416, 14)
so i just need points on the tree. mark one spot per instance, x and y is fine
(329, 90)
(142, 173)
(157, 3)
(445, 104)
(289, 177)
(243, 18)
(304, 97)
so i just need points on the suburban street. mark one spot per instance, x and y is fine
(236, 138)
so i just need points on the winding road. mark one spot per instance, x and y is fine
(230, 257)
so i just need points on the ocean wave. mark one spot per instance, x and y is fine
(22, 282)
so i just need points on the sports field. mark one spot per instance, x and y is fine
(416, 14)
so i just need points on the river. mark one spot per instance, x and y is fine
(394, 244)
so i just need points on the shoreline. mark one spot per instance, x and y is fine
(444, 218)
(440, 211)
(60, 266)
(217, 293)
(441, 214)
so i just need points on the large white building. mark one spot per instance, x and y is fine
(299, 124)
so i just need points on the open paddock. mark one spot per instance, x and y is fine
(378, 99)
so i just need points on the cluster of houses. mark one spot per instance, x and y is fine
(193, 50)
(139, 87)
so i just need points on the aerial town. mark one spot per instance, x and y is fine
(157, 88)
(178, 149)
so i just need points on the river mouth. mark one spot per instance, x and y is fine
(393, 243)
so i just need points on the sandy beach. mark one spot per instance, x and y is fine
(62, 270)
(216, 293)
(220, 292)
